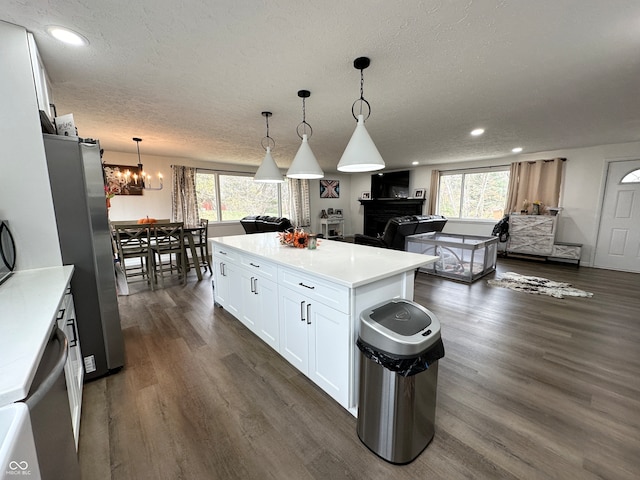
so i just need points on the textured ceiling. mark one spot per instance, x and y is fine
(191, 77)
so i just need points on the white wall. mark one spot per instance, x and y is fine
(25, 193)
(581, 195)
(157, 204)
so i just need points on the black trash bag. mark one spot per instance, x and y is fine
(403, 366)
(501, 229)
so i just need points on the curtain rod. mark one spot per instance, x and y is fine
(216, 170)
(473, 168)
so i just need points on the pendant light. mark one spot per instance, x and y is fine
(268, 171)
(304, 164)
(361, 154)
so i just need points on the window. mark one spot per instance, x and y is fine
(226, 197)
(632, 177)
(473, 193)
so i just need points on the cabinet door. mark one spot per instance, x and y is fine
(234, 294)
(221, 285)
(73, 368)
(293, 329)
(226, 291)
(329, 351)
(266, 291)
(250, 313)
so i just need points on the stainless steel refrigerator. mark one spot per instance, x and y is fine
(77, 188)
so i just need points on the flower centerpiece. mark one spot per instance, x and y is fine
(294, 238)
(109, 194)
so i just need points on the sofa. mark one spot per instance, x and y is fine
(397, 228)
(264, 223)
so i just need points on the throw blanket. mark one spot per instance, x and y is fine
(537, 285)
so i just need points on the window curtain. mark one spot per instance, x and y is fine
(433, 193)
(299, 202)
(184, 205)
(537, 181)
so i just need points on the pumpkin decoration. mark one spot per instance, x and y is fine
(147, 220)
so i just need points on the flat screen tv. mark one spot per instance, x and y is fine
(390, 184)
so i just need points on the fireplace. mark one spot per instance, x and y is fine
(378, 211)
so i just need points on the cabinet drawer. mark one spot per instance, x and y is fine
(259, 266)
(531, 245)
(223, 253)
(532, 225)
(322, 291)
(568, 251)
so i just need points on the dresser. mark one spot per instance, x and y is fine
(532, 234)
(535, 235)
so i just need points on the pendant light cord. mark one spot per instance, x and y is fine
(304, 94)
(269, 140)
(361, 99)
(362, 90)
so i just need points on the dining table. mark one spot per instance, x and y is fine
(190, 233)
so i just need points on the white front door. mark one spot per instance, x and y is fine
(618, 245)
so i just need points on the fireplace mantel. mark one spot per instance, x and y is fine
(378, 211)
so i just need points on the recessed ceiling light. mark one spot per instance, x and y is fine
(477, 132)
(67, 36)
(516, 150)
(415, 163)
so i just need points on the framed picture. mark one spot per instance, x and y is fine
(329, 188)
(365, 196)
(122, 179)
(338, 211)
(419, 193)
(330, 211)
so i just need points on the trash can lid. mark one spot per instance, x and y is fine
(399, 327)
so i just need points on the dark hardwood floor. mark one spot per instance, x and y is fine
(531, 387)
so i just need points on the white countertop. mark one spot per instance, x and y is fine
(344, 263)
(28, 308)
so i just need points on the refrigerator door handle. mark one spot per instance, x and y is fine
(46, 385)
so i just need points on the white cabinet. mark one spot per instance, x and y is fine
(314, 336)
(41, 79)
(306, 303)
(227, 278)
(73, 369)
(332, 227)
(315, 339)
(246, 287)
(260, 306)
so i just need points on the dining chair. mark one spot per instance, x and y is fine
(132, 245)
(201, 245)
(168, 251)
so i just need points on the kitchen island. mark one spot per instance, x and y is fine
(306, 304)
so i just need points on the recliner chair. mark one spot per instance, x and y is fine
(397, 228)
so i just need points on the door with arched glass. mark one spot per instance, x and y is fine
(618, 245)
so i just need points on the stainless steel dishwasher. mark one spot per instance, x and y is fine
(48, 404)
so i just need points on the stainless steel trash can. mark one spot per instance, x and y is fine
(400, 346)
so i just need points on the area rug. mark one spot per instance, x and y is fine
(537, 285)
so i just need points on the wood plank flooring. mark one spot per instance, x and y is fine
(531, 387)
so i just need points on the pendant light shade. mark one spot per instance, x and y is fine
(268, 171)
(361, 154)
(304, 164)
